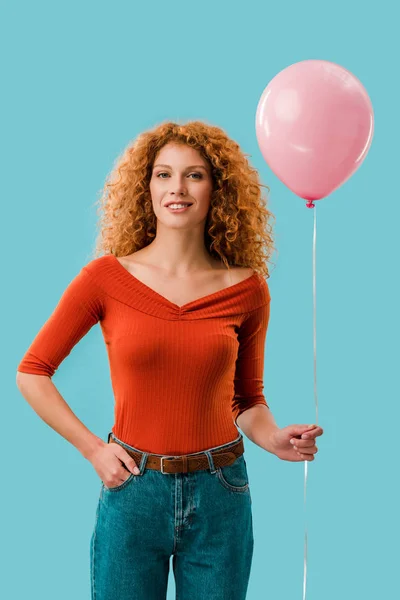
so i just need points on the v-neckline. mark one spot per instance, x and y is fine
(150, 291)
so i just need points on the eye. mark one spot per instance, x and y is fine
(165, 173)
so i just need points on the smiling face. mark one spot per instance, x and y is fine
(180, 174)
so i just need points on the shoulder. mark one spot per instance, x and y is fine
(259, 289)
(98, 267)
(93, 276)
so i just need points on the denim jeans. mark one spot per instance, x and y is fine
(203, 519)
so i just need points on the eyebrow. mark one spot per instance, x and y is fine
(191, 167)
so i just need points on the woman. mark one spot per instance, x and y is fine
(183, 306)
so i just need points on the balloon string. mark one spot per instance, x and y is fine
(311, 205)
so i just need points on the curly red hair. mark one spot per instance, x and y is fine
(237, 230)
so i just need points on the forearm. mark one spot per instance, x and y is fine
(257, 423)
(45, 399)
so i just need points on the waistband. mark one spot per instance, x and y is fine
(211, 458)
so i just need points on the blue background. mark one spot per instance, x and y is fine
(80, 82)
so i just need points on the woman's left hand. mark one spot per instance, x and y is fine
(295, 442)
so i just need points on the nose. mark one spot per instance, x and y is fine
(179, 191)
(178, 187)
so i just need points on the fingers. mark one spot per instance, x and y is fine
(307, 453)
(121, 472)
(312, 433)
(126, 458)
(117, 476)
(308, 457)
(132, 466)
(302, 443)
(305, 449)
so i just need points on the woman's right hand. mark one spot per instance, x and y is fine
(113, 464)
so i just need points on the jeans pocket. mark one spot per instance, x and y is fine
(116, 488)
(234, 477)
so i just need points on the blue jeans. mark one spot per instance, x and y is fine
(203, 519)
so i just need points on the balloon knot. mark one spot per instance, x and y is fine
(310, 204)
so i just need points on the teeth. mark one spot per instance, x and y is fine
(178, 205)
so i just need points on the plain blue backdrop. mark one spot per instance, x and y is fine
(80, 82)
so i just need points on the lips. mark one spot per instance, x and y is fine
(183, 203)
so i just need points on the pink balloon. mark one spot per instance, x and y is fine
(314, 126)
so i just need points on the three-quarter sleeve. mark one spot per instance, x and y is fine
(79, 308)
(249, 369)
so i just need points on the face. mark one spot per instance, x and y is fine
(180, 175)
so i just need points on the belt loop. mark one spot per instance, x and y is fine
(143, 463)
(210, 461)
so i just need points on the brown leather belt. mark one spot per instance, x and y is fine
(186, 463)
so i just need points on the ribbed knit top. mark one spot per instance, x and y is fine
(181, 375)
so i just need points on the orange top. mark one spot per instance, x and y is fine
(181, 375)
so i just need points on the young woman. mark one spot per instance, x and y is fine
(177, 286)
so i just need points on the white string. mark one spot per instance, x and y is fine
(315, 385)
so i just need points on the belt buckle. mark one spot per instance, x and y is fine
(162, 464)
(166, 458)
